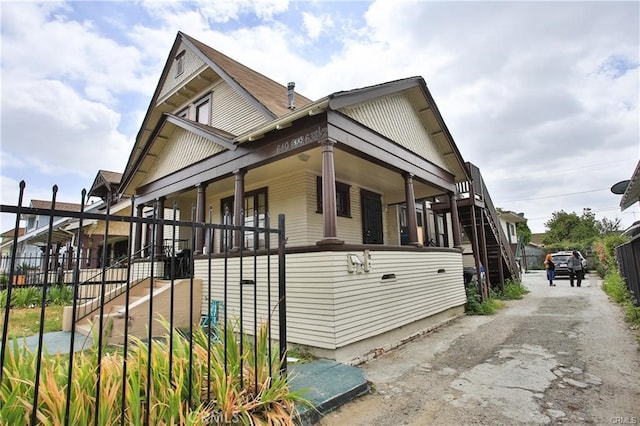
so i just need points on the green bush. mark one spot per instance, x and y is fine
(60, 295)
(209, 382)
(513, 290)
(616, 288)
(475, 305)
(25, 297)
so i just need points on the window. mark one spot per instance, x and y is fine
(184, 113)
(255, 208)
(343, 198)
(203, 110)
(180, 63)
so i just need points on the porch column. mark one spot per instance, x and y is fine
(137, 242)
(238, 206)
(95, 255)
(201, 202)
(455, 220)
(412, 220)
(69, 259)
(160, 227)
(329, 213)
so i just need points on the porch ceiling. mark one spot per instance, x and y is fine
(349, 169)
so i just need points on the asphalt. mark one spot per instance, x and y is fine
(326, 384)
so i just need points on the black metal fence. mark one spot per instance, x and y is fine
(628, 255)
(224, 290)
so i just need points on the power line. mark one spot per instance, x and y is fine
(557, 172)
(551, 196)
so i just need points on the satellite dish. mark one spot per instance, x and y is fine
(620, 187)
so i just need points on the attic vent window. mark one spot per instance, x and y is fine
(180, 63)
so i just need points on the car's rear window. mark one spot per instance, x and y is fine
(560, 258)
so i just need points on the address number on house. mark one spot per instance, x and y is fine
(314, 136)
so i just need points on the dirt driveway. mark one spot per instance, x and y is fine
(561, 355)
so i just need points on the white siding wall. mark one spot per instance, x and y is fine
(366, 305)
(512, 236)
(230, 112)
(328, 307)
(395, 118)
(191, 64)
(183, 149)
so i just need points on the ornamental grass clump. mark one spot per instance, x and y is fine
(203, 386)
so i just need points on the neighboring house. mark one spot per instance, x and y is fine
(6, 242)
(32, 244)
(355, 174)
(508, 221)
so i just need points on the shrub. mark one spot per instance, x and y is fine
(25, 297)
(513, 290)
(206, 385)
(615, 286)
(60, 295)
(475, 305)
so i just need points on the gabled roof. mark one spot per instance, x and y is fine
(267, 92)
(43, 204)
(267, 96)
(426, 107)
(105, 181)
(632, 193)
(10, 233)
(513, 217)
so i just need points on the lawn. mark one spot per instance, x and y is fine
(26, 321)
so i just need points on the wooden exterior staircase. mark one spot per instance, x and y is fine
(479, 221)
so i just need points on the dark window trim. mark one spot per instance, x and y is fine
(341, 189)
(206, 99)
(230, 201)
(180, 63)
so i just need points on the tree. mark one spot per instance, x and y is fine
(569, 231)
(524, 232)
(608, 226)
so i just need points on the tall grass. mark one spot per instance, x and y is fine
(218, 392)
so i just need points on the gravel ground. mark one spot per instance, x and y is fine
(561, 355)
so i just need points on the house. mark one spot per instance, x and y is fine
(367, 180)
(508, 221)
(33, 239)
(354, 173)
(6, 242)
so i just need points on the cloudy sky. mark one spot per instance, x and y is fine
(542, 97)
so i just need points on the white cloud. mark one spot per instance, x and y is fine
(54, 128)
(316, 25)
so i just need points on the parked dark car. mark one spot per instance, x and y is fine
(560, 261)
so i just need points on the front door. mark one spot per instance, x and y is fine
(371, 217)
